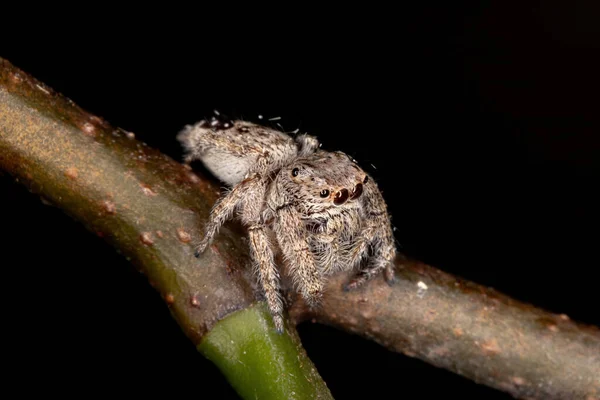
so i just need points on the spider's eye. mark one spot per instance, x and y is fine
(340, 197)
(295, 172)
(357, 191)
(366, 179)
(324, 193)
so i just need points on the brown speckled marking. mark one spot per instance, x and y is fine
(170, 299)
(16, 78)
(146, 238)
(491, 347)
(183, 235)
(89, 129)
(147, 190)
(71, 173)
(193, 178)
(109, 207)
(517, 380)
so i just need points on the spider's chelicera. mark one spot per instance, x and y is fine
(318, 208)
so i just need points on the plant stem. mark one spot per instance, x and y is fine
(247, 349)
(469, 329)
(151, 208)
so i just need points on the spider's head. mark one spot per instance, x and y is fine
(326, 180)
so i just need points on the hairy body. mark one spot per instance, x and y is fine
(319, 208)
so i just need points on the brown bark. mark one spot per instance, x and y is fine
(469, 329)
(152, 209)
(141, 201)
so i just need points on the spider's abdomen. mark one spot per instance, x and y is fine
(228, 168)
(230, 152)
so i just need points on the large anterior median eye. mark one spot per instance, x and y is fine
(357, 191)
(341, 197)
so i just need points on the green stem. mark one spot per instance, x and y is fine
(247, 349)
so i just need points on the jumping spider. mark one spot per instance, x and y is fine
(321, 209)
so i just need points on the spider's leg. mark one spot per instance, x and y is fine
(223, 210)
(261, 248)
(293, 241)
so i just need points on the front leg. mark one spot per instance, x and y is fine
(248, 197)
(223, 210)
(293, 241)
(261, 249)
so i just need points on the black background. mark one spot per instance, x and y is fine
(480, 118)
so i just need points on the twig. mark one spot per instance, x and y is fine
(151, 208)
(469, 329)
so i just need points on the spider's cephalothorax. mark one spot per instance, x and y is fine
(322, 210)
